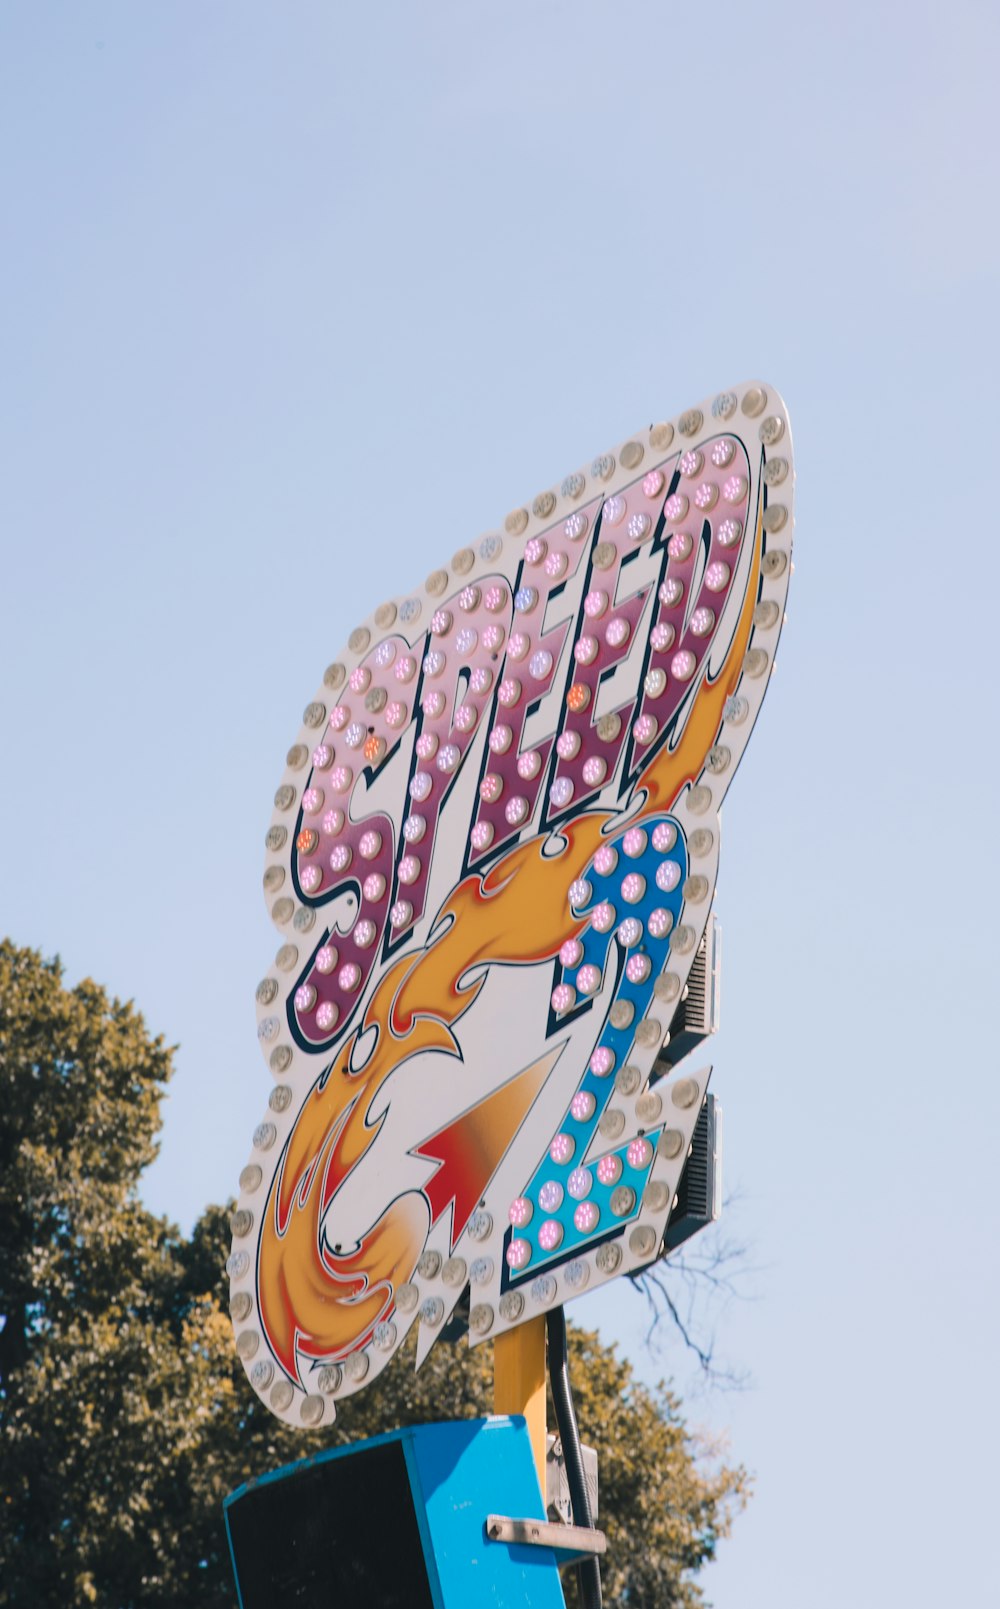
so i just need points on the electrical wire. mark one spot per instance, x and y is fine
(588, 1570)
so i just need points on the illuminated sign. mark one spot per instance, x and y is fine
(492, 858)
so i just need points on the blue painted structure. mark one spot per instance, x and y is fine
(457, 1474)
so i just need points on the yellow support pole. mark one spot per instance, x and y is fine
(519, 1382)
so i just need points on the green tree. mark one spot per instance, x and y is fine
(125, 1416)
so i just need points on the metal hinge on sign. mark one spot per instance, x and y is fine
(570, 1542)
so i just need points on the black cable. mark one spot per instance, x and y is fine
(588, 1570)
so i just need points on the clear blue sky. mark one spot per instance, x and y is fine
(256, 256)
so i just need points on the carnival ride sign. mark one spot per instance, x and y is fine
(491, 861)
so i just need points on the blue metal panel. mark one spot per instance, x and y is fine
(468, 1470)
(458, 1473)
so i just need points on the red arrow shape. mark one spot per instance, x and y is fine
(469, 1150)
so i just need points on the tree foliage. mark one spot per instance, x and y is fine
(125, 1416)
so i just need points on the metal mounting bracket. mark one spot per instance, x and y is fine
(570, 1542)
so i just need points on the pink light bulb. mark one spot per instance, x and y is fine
(568, 745)
(468, 599)
(629, 931)
(571, 953)
(729, 532)
(717, 576)
(556, 565)
(690, 464)
(662, 636)
(516, 810)
(373, 887)
(395, 714)
(586, 650)
(582, 1106)
(595, 603)
(540, 664)
(679, 546)
(520, 1212)
(603, 917)
(664, 836)
(639, 1153)
(369, 844)
(562, 1148)
(614, 510)
(609, 1170)
(659, 923)
(587, 1216)
(448, 758)
(341, 778)
(441, 622)
(491, 788)
(561, 792)
(401, 914)
(638, 526)
(434, 662)
(633, 888)
(406, 668)
(605, 860)
(340, 857)
(594, 771)
(634, 842)
(675, 507)
(652, 483)
(575, 526)
(671, 592)
(432, 705)
(535, 550)
(602, 1061)
(722, 452)
(326, 959)
(465, 717)
(702, 621)
(385, 653)
(645, 728)
(734, 489)
(509, 692)
(482, 835)
(550, 1234)
(310, 877)
(312, 800)
(349, 976)
(528, 765)
(706, 496)
(359, 679)
(495, 599)
(682, 665)
(481, 680)
(466, 641)
(305, 997)
(493, 638)
(518, 1254)
(421, 784)
(563, 998)
(409, 868)
(637, 968)
(322, 756)
(588, 979)
(579, 892)
(618, 632)
(414, 828)
(333, 822)
(519, 645)
(326, 1016)
(339, 717)
(365, 934)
